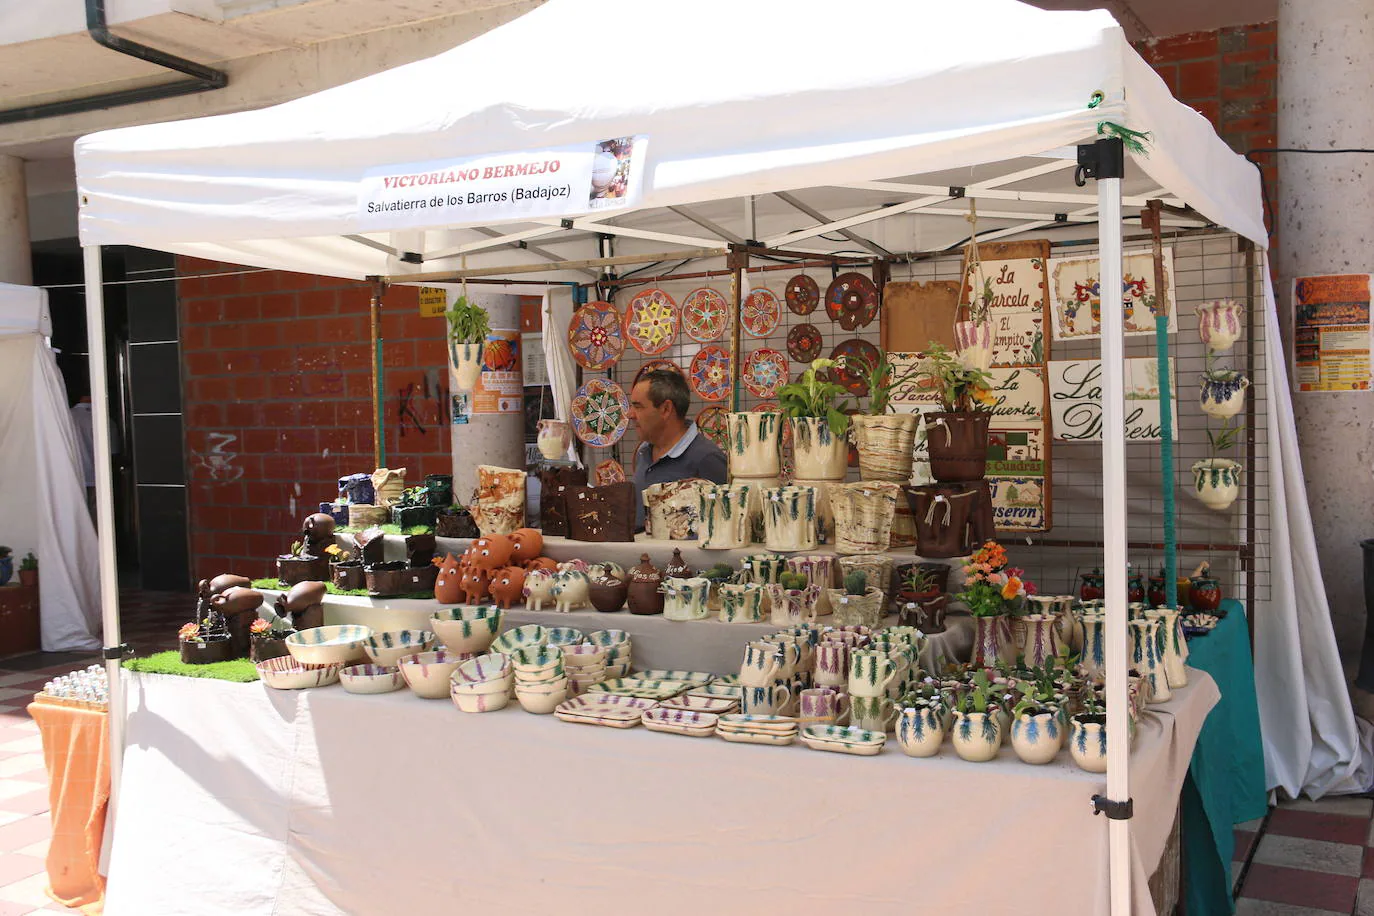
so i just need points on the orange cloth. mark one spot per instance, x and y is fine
(76, 749)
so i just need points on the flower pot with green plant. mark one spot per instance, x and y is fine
(205, 639)
(886, 442)
(957, 435)
(28, 570)
(1222, 394)
(414, 509)
(1037, 731)
(6, 565)
(792, 601)
(468, 327)
(267, 638)
(977, 730)
(993, 591)
(858, 603)
(1216, 479)
(820, 450)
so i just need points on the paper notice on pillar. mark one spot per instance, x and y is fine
(1076, 399)
(504, 187)
(1331, 333)
(500, 388)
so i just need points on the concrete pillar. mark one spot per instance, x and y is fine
(16, 259)
(489, 438)
(1326, 100)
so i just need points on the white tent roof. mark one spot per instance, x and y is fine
(735, 99)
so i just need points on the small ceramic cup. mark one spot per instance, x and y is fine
(823, 706)
(761, 663)
(768, 700)
(873, 713)
(871, 672)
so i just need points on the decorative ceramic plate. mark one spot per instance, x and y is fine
(600, 413)
(609, 471)
(767, 724)
(853, 349)
(804, 343)
(653, 365)
(802, 294)
(852, 300)
(842, 740)
(594, 336)
(606, 706)
(765, 370)
(705, 315)
(760, 312)
(714, 423)
(726, 680)
(710, 373)
(638, 687)
(651, 321)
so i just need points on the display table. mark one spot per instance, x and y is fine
(1225, 783)
(240, 799)
(76, 752)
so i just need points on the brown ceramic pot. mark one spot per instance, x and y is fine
(214, 649)
(958, 444)
(644, 596)
(291, 570)
(608, 595)
(264, 647)
(386, 580)
(348, 575)
(420, 549)
(455, 523)
(942, 515)
(420, 579)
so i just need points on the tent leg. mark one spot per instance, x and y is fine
(104, 502)
(1110, 166)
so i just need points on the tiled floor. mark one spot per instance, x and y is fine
(1307, 859)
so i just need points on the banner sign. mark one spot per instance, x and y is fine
(1331, 333)
(503, 187)
(1076, 399)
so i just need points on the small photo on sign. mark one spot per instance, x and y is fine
(611, 171)
(1018, 503)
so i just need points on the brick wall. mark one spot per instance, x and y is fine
(277, 379)
(1230, 76)
(277, 373)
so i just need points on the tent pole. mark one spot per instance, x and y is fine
(104, 505)
(738, 262)
(1110, 165)
(1152, 218)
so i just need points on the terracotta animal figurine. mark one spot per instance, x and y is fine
(303, 606)
(526, 544)
(448, 587)
(226, 581)
(570, 591)
(507, 586)
(239, 608)
(475, 583)
(538, 589)
(318, 532)
(548, 564)
(493, 551)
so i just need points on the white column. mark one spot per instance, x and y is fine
(16, 264)
(1326, 100)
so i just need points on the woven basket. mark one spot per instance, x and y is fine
(863, 516)
(390, 485)
(887, 445)
(852, 610)
(878, 568)
(362, 516)
(903, 528)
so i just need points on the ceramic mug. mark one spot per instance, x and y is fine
(823, 706)
(789, 656)
(831, 666)
(761, 664)
(871, 672)
(767, 700)
(873, 713)
(805, 650)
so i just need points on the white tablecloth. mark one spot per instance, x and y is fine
(240, 799)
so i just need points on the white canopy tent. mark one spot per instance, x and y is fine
(751, 119)
(41, 489)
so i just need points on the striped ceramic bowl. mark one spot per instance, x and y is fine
(467, 629)
(386, 648)
(285, 673)
(371, 679)
(335, 645)
(521, 638)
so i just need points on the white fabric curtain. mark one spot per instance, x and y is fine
(558, 311)
(41, 487)
(1312, 741)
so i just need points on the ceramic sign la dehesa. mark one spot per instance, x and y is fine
(502, 187)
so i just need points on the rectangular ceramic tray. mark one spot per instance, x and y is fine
(695, 678)
(755, 738)
(596, 720)
(695, 703)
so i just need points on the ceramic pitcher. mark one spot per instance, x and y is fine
(1042, 639)
(1094, 657)
(554, 438)
(1145, 658)
(871, 672)
(1173, 646)
(1219, 324)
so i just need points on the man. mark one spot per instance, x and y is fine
(673, 448)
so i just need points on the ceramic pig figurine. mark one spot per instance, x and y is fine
(538, 589)
(475, 583)
(570, 590)
(448, 588)
(507, 586)
(493, 551)
(548, 564)
(526, 544)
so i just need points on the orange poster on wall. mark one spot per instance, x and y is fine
(1331, 333)
(500, 387)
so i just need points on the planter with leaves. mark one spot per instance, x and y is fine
(456, 522)
(28, 570)
(468, 327)
(819, 424)
(414, 509)
(977, 730)
(957, 436)
(301, 566)
(857, 604)
(1217, 480)
(886, 442)
(267, 638)
(1223, 393)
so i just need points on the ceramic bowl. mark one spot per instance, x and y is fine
(541, 702)
(609, 638)
(491, 667)
(584, 657)
(543, 679)
(499, 685)
(371, 679)
(429, 673)
(480, 702)
(386, 648)
(336, 645)
(467, 629)
(285, 673)
(521, 638)
(565, 636)
(589, 673)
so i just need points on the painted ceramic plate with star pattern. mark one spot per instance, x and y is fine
(710, 373)
(851, 300)
(651, 321)
(764, 371)
(600, 413)
(594, 336)
(802, 294)
(714, 423)
(760, 312)
(705, 315)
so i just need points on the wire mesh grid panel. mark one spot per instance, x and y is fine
(1206, 268)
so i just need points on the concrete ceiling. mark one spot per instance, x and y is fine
(1144, 19)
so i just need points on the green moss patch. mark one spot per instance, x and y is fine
(239, 670)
